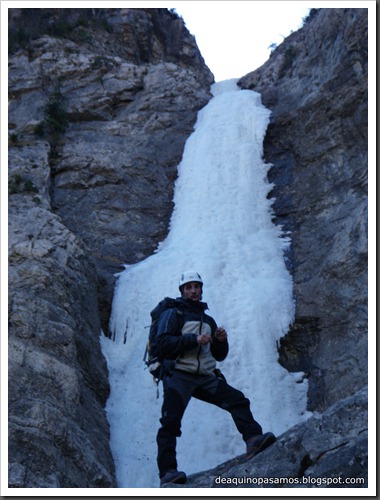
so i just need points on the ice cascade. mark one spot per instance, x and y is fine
(221, 227)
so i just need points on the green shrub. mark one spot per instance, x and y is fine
(70, 23)
(37, 200)
(55, 118)
(289, 56)
(13, 138)
(19, 184)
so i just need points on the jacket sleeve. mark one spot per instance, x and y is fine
(219, 349)
(170, 341)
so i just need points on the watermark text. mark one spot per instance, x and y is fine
(283, 481)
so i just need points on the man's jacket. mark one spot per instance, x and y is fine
(177, 333)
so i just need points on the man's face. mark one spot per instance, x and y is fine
(193, 291)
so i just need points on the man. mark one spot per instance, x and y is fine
(191, 344)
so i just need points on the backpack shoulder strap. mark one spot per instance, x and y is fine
(180, 317)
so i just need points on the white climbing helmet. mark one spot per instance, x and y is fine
(189, 276)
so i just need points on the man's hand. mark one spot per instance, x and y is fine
(203, 339)
(221, 334)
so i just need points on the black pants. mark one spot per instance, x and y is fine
(178, 389)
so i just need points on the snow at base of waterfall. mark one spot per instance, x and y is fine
(222, 228)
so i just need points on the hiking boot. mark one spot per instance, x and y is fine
(173, 477)
(258, 443)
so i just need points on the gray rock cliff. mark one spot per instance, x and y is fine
(101, 102)
(315, 83)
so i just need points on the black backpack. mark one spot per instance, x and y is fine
(151, 359)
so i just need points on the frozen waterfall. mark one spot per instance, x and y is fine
(222, 227)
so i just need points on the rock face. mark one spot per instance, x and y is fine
(58, 434)
(101, 104)
(116, 123)
(315, 83)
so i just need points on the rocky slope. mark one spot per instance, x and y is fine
(101, 104)
(327, 451)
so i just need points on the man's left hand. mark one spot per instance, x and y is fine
(221, 334)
